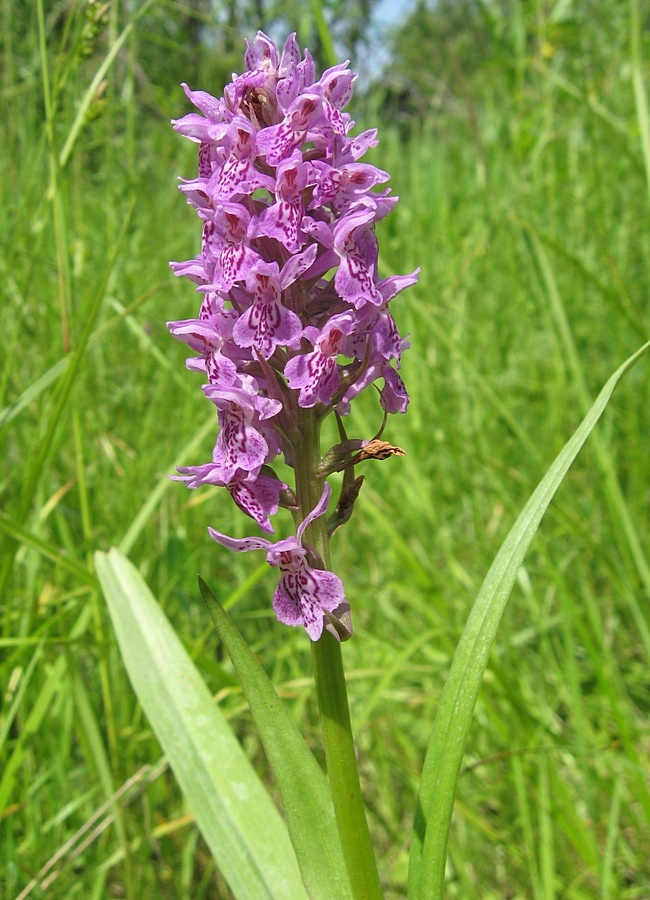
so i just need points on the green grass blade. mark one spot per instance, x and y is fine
(232, 808)
(302, 783)
(12, 711)
(545, 830)
(82, 113)
(640, 98)
(524, 816)
(93, 743)
(458, 698)
(608, 873)
(324, 33)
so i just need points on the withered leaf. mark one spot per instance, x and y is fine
(379, 450)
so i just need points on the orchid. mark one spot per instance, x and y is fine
(304, 592)
(297, 315)
(294, 321)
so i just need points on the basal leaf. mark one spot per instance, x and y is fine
(447, 744)
(302, 783)
(240, 823)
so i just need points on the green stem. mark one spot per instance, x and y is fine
(332, 695)
(342, 769)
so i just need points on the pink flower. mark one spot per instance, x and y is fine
(304, 594)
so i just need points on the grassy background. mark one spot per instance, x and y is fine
(525, 202)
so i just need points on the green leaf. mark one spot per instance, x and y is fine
(240, 823)
(303, 786)
(447, 744)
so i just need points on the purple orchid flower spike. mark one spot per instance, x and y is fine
(293, 320)
(304, 594)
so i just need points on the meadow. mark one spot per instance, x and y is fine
(525, 201)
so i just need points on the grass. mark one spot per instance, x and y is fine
(533, 242)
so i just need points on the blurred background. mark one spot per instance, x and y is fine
(517, 136)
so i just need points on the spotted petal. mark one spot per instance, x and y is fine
(303, 595)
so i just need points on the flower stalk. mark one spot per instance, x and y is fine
(342, 769)
(332, 696)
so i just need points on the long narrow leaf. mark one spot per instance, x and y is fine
(447, 744)
(240, 823)
(303, 786)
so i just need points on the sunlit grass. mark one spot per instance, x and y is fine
(533, 247)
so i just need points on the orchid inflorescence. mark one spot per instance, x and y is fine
(294, 320)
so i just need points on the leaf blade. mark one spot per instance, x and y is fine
(303, 785)
(458, 698)
(241, 825)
